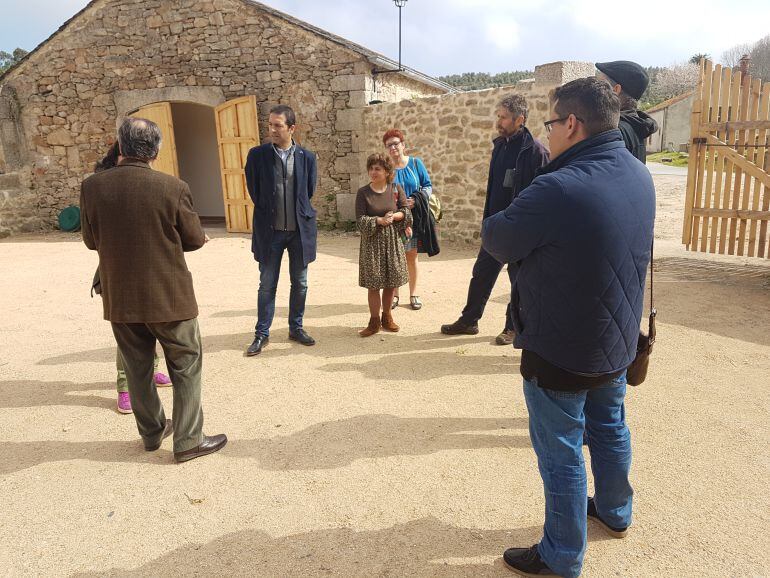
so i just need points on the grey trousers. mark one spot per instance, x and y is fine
(181, 343)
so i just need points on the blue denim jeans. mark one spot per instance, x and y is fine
(557, 421)
(269, 272)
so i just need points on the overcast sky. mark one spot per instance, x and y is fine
(453, 36)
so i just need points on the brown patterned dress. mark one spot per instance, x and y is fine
(381, 260)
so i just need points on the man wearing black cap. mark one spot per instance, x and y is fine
(629, 81)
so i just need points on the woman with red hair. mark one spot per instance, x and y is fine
(412, 176)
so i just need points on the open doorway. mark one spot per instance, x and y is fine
(195, 134)
(207, 147)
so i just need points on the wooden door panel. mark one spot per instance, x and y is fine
(237, 133)
(160, 114)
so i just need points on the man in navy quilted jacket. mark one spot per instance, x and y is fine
(582, 232)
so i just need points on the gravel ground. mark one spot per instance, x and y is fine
(400, 455)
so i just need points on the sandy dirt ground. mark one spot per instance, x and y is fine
(400, 455)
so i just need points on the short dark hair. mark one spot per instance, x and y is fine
(109, 160)
(590, 99)
(139, 138)
(287, 112)
(383, 161)
(516, 104)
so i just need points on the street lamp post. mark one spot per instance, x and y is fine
(400, 4)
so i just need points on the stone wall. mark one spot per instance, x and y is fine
(116, 50)
(453, 135)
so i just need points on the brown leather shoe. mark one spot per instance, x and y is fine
(209, 445)
(372, 328)
(506, 337)
(387, 322)
(167, 431)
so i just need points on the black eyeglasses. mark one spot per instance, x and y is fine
(392, 145)
(547, 124)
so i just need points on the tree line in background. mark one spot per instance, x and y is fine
(481, 80)
(665, 81)
(8, 59)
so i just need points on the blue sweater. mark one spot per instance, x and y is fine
(413, 177)
(582, 231)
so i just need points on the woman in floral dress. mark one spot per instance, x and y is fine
(383, 219)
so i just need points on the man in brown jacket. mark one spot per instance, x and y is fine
(142, 220)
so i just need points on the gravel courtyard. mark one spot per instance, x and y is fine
(400, 455)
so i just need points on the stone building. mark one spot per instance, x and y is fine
(673, 118)
(181, 59)
(453, 135)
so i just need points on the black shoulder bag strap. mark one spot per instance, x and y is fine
(653, 311)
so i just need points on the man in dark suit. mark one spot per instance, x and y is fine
(142, 220)
(281, 178)
(516, 157)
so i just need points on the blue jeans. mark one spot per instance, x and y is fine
(269, 272)
(557, 420)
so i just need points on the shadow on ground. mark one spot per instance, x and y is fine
(429, 365)
(321, 446)
(339, 443)
(332, 341)
(28, 393)
(710, 285)
(424, 547)
(311, 311)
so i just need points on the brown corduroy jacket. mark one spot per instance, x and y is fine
(141, 222)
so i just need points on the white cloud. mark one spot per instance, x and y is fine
(453, 36)
(503, 34)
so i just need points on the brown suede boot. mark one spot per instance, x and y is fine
(371, 329)
(387, 322)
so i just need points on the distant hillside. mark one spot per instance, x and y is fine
(481, 80)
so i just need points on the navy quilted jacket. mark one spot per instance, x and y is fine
(583, 231)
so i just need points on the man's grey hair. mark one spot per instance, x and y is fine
(516, 104)
(139, 138)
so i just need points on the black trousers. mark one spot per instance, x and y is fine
(485, 273)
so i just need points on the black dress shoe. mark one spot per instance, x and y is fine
(459, 328)
(526, 562)
(256, 346)
(167, 431)
(301, 336)
(593, 514)
(209, 445)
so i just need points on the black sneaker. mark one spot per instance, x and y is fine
(594, 515)
(526, 562)
(459, 328)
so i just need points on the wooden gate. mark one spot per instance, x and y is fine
(160, 114)
(237, 133)
(727, 206)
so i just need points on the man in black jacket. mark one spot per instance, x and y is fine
(629, 81)
(516, 156)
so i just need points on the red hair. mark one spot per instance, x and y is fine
(394, 132)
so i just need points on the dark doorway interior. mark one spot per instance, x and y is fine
(198, 155)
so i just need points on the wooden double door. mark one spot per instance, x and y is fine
(237, 131)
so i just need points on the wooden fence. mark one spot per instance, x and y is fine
(727, 206)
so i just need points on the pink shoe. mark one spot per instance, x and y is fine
(161, 379)
(124, 402)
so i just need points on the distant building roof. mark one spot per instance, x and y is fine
(670, 101)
